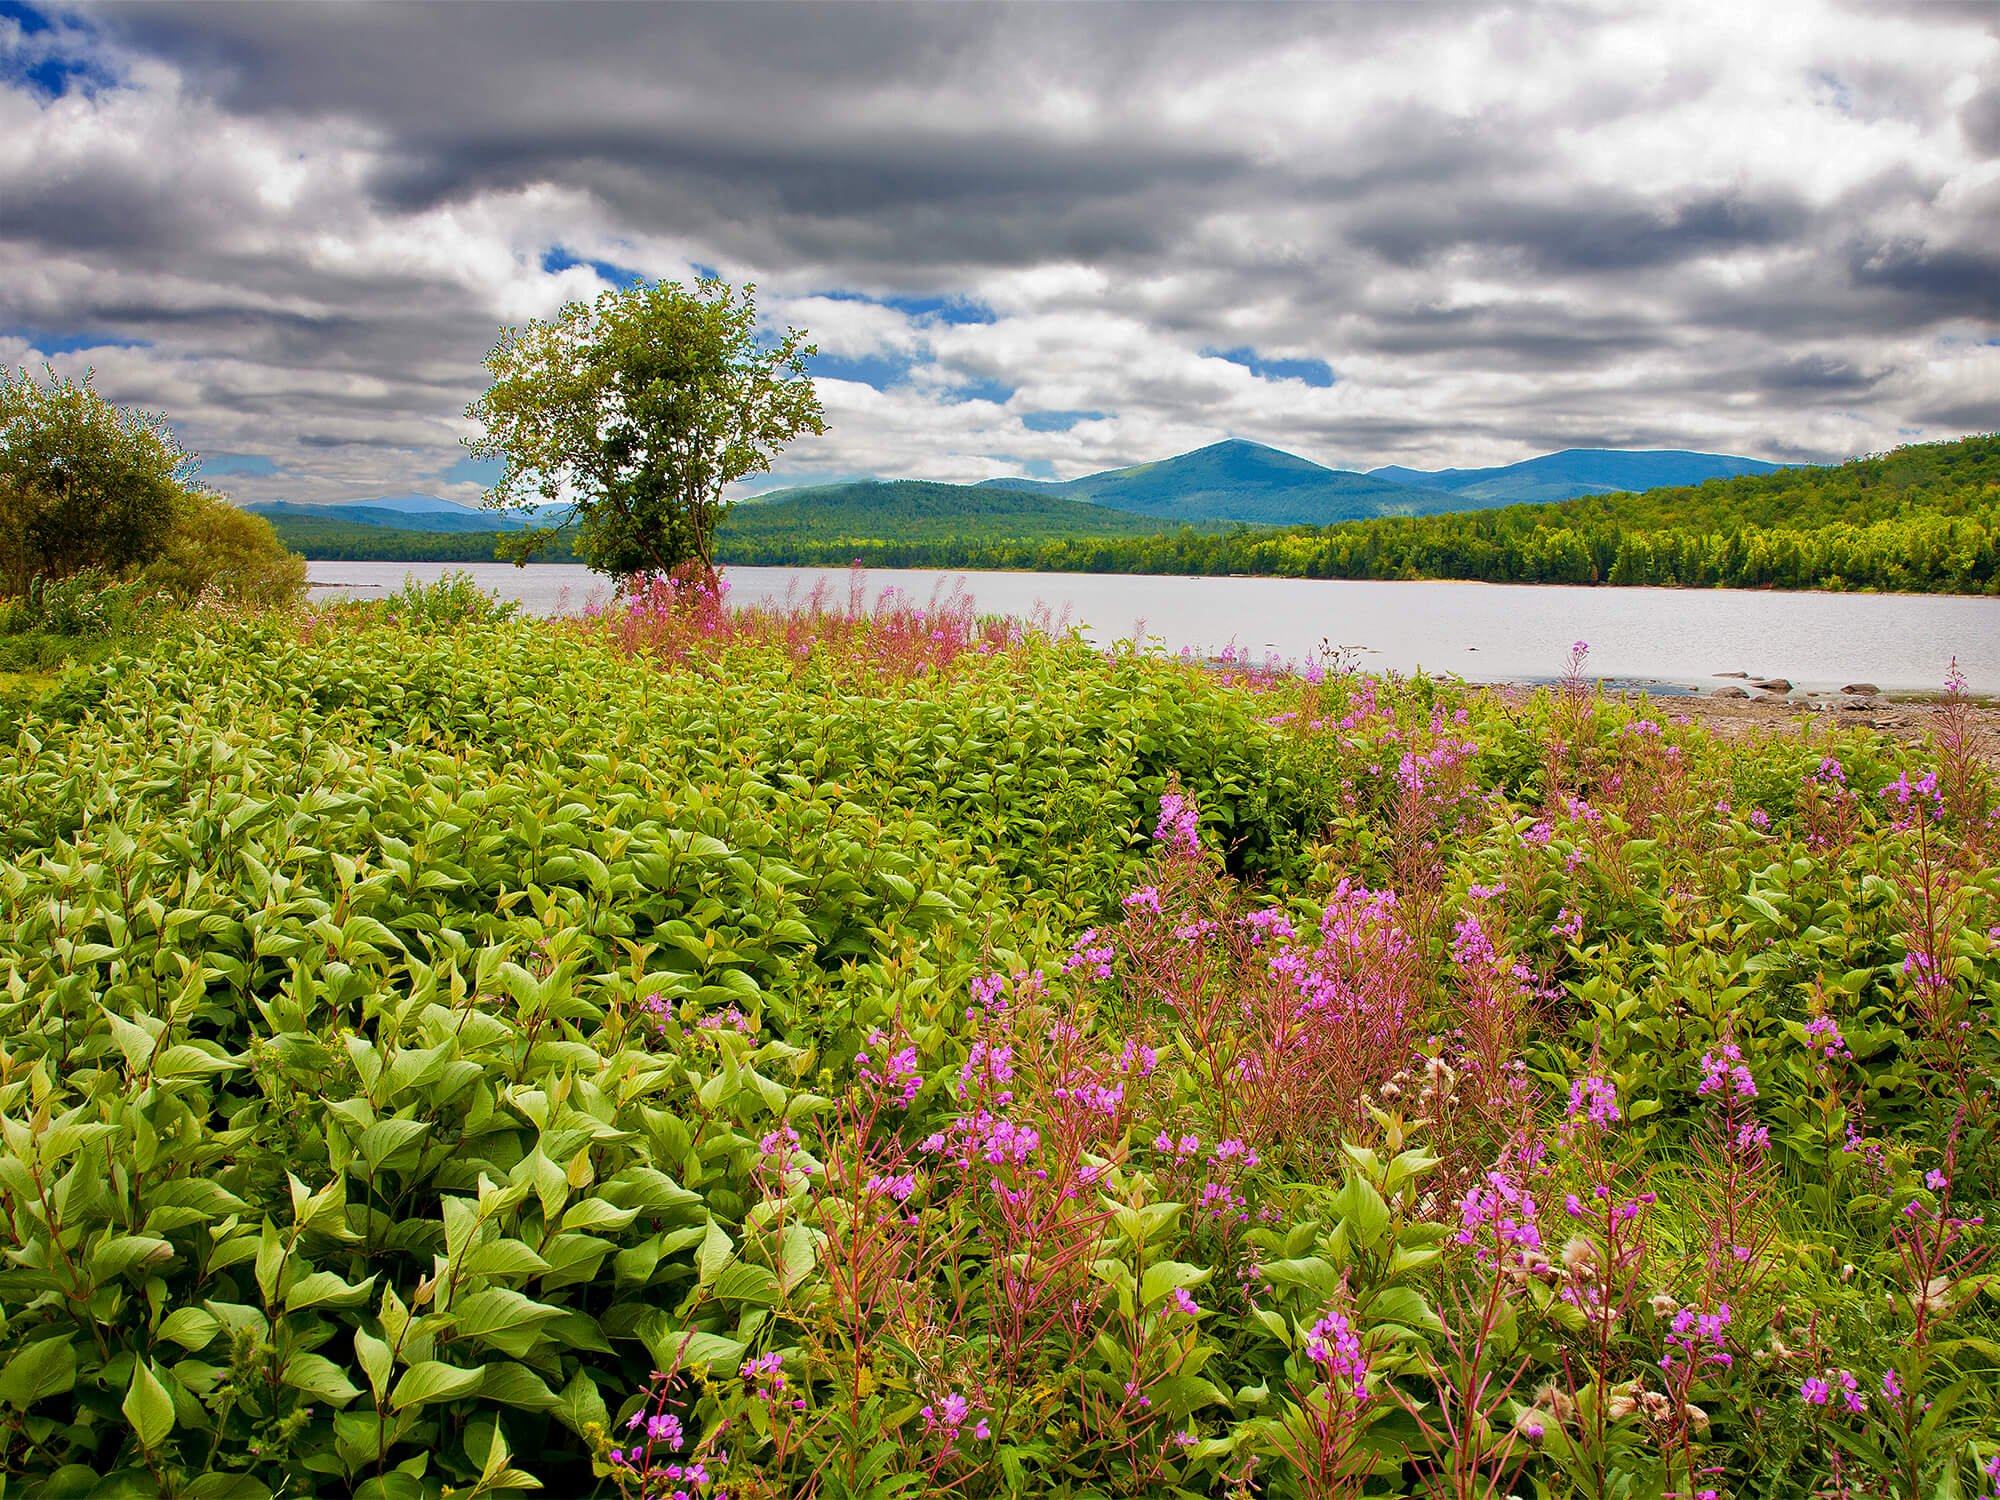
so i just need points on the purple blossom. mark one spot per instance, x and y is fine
(1594, 1099)
(1333, 1343)
(1723, 1072)
(1178, 824)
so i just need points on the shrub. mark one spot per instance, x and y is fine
(455, 599)
(220, 552)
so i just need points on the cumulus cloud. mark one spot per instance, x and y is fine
(1042, 239)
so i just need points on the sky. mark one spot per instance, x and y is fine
(1044, 239)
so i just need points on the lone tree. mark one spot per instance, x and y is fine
(635, 411)
(83, 483)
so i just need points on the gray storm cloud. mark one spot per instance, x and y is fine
(297, 228)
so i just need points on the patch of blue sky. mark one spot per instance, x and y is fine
(983, 388)
(559, 259)
(1315, 372)
(1059, 421)
(878, 370)
(53, 65)
(48, 341)
(466, 469)
(951, 310)
(237, 465)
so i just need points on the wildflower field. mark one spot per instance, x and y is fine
(860, 1049)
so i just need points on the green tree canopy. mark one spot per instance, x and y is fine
(83, 483)
(635, 412)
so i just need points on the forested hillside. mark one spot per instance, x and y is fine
(1921, 519)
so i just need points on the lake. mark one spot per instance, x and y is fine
(1669, 638)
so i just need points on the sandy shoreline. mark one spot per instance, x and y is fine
(1901, 719)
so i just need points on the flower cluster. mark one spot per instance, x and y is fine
(1823, 1035)
(1179, 820)
(1914, 799)
(1723, 1072)
(1594, 1099)
(1333, 1344)
(1087, 952)
(897, 1075)
(1701, 1339)
(1500, 1207)
(950, 1417)
(1819, 1390)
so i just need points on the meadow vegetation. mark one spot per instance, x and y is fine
(860, 1049)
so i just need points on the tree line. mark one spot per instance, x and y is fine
(1921, 519)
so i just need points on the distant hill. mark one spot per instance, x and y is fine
(823, 523)
(400, 512)
(1577, 471)
(1921, 519)
(916, 510)
(1240, 481)
(1233, 482)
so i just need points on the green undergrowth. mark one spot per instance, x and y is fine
(869, 1056)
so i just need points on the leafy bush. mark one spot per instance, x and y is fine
(85, 606)
(645, 1056)
(454, 599)
(218, 551)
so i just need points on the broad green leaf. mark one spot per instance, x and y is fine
(46, 1367)
(148, 1407)
(431, 1381)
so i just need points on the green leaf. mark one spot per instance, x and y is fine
(1362, 1207)
(595, 1213)
(430, 1381)
(517, 1385)
(190, 1327)
(45, 1368)
(316, 1375)
(148, 1407)
(714, 1253)
(1164, 1276)
(324, 1289)
(377, 1359)
(498, 1312)
(127, 1253)
(227, 1487)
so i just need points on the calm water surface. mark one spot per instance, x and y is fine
(1483, 632)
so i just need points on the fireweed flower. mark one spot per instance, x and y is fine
(948, 1417)
(1824, 1037)
(1086, 953)
(1911, 800)
(1723, 1072)
(895, 1074)
(1333, 1344)
(1177, 827)
(1499, 1218)
(1594, 1099)
(1700, 1337)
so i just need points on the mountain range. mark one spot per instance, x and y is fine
(1227, 482)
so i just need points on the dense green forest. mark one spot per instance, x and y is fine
(1920, 519)
(352, 541)
(912, 510)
